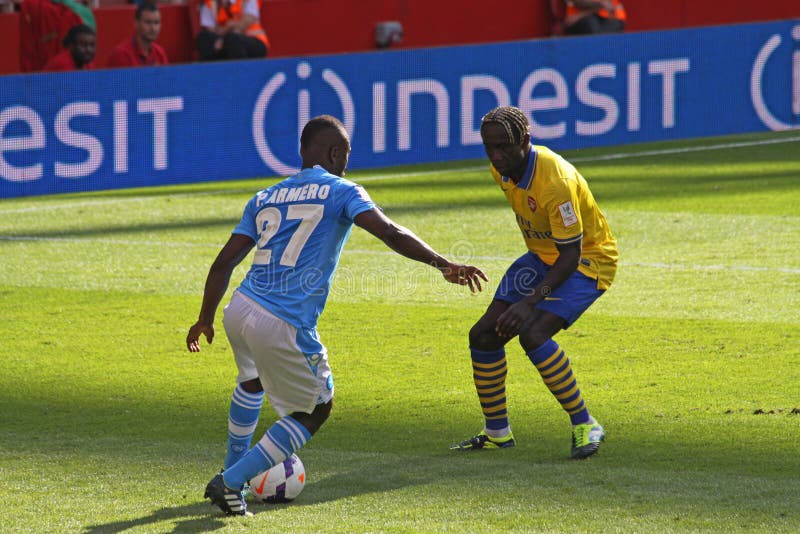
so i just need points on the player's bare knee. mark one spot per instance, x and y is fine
(323, 411)
(475, 334)
(483, 341)
(252, 386)
(482, 337)
(532, 339)
(313, 421)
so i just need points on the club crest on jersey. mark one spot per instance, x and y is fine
(532, 203)
(313, 359)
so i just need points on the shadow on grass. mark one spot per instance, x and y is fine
(107, 230)
(204, 517)
(674, 462)
(189, 518)
(449, 192)
(609, 189)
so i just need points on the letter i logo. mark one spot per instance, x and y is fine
(796, 71)
(757, 78)
(303, 98)
(330, 80)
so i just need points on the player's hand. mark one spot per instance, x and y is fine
(511, 320)
(198, 329)
(464, 275)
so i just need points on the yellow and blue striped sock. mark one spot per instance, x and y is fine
(489, 373)
(556, 371)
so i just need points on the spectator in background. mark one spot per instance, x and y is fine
(231, 29)
(594, 16)
(80, 43)
(43, 27)
(141, 48)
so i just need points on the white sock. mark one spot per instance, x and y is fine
(497, 432)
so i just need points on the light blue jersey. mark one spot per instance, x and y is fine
(300, 226)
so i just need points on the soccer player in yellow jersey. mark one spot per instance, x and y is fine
(571, 261)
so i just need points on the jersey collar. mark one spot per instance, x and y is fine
(530, 169)
(316, 170)
(527, 178)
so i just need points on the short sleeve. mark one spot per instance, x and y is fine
(247, 226)
(207, 19)
(250, 7)
(357, 201)
(563, 211)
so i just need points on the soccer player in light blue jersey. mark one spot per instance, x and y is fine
(298, 228)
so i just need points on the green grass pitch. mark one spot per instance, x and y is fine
(690, 361)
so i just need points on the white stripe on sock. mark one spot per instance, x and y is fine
(296, 435)
(260, 448)
(247, 400)
(241, 430)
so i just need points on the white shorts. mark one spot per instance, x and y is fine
(291, 363)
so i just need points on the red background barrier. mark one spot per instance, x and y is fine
(667, 14)
(304, 27)
(9, 29)
(317, 26)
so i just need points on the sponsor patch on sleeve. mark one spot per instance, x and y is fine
(568, 215)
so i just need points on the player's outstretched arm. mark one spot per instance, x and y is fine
(231, 255)
(405, 242)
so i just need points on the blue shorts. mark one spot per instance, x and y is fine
(569, 301)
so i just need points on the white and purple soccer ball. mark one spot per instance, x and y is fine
(281, 483)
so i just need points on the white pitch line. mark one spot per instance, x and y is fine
(667, 151)
(166, 244)
(44, 207)
(683, 267)
(379, 177)
(106, 241)
(588, 159)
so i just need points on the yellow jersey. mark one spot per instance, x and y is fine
(553, 205)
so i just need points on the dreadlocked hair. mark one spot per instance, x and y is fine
(513, 121)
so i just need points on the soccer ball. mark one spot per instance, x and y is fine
(281, 483)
